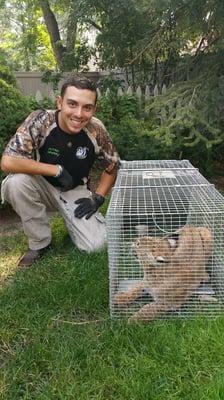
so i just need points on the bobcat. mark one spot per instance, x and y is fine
(173, 269)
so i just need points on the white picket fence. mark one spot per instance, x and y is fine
(31, 83)
(140, 93)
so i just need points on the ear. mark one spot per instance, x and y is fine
(59, 102)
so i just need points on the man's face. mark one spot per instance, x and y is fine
(77, 106)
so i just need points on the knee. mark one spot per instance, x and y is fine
(97, 245)
(15, 186)
(17, 181)
(90, 245)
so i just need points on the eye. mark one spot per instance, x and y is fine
(88, 107)
(72, 104)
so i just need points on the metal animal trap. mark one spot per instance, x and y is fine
(165, 242)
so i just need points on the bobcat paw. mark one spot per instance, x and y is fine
(135, 318)
(141, 316)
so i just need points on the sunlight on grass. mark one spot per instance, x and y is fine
(57, 340)
(10, 249)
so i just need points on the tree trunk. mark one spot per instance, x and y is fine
(71, 28)
(52, 27)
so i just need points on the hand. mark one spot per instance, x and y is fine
(88, 206)
(64, 180)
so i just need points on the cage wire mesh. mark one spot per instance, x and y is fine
(165, 242)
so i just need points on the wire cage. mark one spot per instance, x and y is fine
(165, 242)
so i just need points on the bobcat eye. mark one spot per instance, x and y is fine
(137, 243)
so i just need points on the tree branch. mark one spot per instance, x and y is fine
(94, 24)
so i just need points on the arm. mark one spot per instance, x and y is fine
(106, 152)
(88, 206)
(18, 154)
(17, 165)
(105, 184)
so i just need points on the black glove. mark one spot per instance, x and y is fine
(88, 206)
(64, 180)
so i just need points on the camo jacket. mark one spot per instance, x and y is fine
(31, 135)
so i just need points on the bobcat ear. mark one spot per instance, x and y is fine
(172, 243)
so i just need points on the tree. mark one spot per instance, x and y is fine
(55, 44)
(24, 37)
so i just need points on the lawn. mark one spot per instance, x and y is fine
(58, 341)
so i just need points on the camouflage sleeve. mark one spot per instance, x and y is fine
(105, 150)
(29, 135)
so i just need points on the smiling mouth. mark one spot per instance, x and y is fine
(76, 124)
(76, 121)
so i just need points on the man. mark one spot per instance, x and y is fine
(49, 159)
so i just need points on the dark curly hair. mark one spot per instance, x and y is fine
(80, 82)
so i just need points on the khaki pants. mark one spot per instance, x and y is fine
(32, 196)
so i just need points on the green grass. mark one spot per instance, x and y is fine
(58, 342)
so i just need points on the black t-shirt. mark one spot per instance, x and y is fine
(75, 152)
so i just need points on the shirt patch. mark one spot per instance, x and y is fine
(53, 151)
(81, 152)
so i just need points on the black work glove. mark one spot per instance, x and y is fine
(65, 180)
(88, 206)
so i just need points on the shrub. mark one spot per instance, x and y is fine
(7, 76)
(46, 103)
(114, 108)
(14, 109)
(135, 140)
(190, 113)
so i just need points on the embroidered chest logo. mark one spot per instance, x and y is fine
(81, 152)
(53, 151)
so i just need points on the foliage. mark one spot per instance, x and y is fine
(7, 75)
(122, 26)
(14, 109)
(185, 122)
(135, 141)
(24, 37)
(46, 103)
(110, 83)
(193, 123)
(105, 109)
(77, 59)
(152, 41)
(52, 77)
(112, 107)
(133, 137)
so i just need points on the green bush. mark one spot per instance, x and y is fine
(135, 140)
(190, 113)
(46, 103)
(14, 109)
(115, 108)
(7, 76)
(134, 137)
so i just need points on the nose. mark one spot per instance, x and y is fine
(78, 111)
